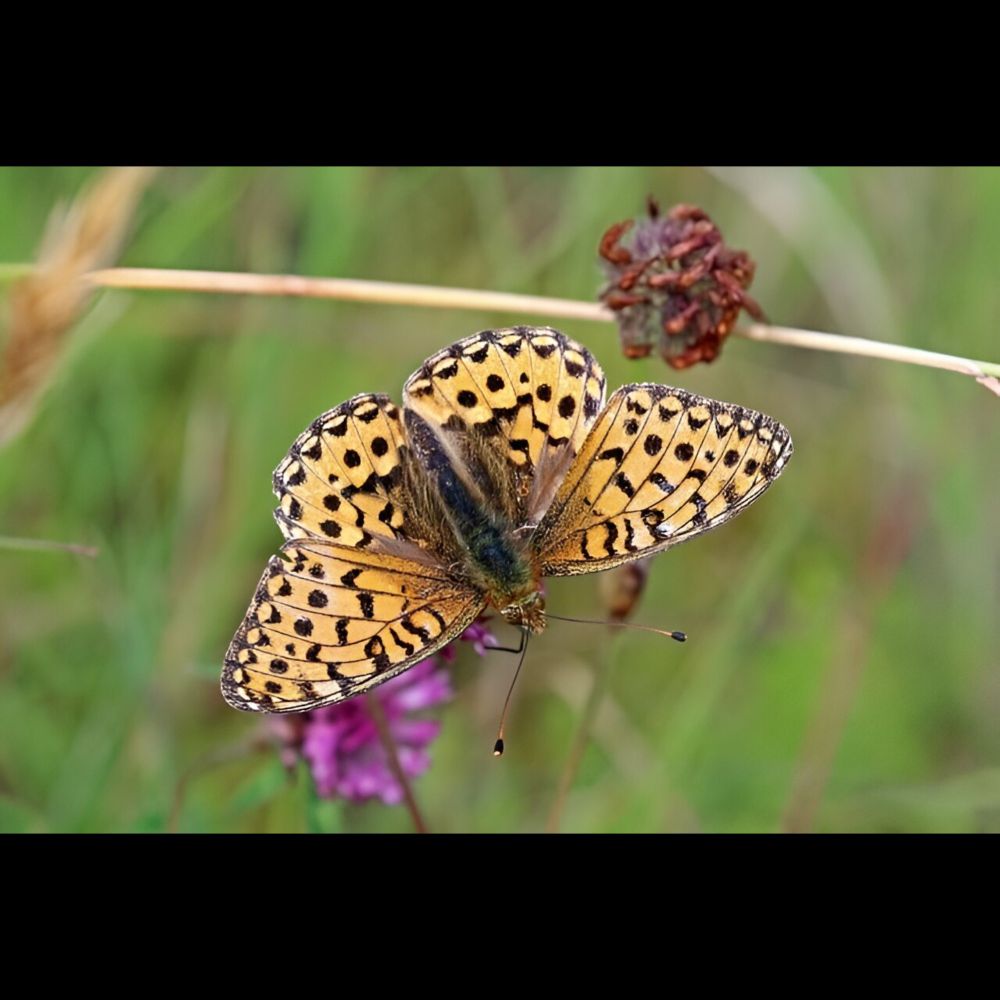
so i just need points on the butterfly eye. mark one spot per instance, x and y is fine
(528, 612)
(513, 613)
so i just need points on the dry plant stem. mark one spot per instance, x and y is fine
(838, 344)
(346, 290)
(45, 545)
(392, 751)
(621, 590)
(352, 290)
(602, 679)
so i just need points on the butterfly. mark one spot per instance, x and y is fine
(504, 465)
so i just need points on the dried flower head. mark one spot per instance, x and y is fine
(621, 588)
(675, 285)
(342, 745)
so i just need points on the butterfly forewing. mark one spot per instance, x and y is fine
(515, 406)
(328, 621)
(659, 467)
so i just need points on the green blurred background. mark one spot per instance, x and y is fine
(842, 672)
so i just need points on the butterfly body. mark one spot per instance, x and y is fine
(503, 467)
(492, 556)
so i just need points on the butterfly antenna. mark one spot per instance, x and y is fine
(498, 746)
(678, 636)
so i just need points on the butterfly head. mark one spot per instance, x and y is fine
(527, 611)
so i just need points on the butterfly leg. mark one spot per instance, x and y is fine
(511, 649)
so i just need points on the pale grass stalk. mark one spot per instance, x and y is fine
(431, 296)
(46, 545)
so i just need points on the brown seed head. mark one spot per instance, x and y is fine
(675, 285)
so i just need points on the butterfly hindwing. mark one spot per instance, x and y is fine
(514, 406)
(659, 467)
(329, 621)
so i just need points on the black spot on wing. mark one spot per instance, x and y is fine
(417, 630)
(624, 484)
(366, 416)
(375, 651)
(630, 537)
(407, 647)
(612, 533)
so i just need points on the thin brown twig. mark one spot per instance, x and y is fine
(430, 296)
(621, 590)
(392, 752)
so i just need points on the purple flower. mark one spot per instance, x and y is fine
(342, 745)
(480, 637)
